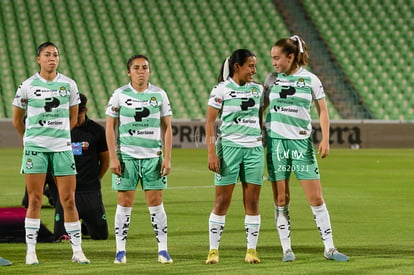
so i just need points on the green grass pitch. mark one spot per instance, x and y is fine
(369, 194)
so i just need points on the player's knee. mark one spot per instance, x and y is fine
(221, 203)
(35, 201)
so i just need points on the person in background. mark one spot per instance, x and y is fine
(140, 114)
(289, 93)
(92, 160)
(49, 100)
(238, 152)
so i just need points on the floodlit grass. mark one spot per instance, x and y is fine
(369, 194)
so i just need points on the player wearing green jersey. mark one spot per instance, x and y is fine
(289, 93)
(138, 120)
(238, 152)
(49, 101)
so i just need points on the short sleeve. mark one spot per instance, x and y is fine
(112, 109)
(20, 100)
(166, 106)
(317, 88)
(216, 98)
(74, 94)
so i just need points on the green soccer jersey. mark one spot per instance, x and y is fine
(290, 98)
(239, 111)
(47, 106)
(139, 114)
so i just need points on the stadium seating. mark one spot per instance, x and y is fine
(373, 43)
(187, 41)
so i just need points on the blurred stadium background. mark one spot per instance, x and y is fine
(361, 49)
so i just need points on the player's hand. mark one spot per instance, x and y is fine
(213, 163)
(165, 167)
(115, 167)
(323, 149)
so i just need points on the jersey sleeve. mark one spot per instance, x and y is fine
(112, 109)
(166, 106)
(74, 94)
(317, 88)
(20, 100)
(216, 97)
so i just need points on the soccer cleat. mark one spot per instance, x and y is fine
(335, 255)
(164, 257)
(213, 257)
(251, 256)
(79, 257)
(120, 257)
(31, 258)
(4, 261)
(288, 256)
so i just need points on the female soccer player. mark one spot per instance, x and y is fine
(238, 151)
(49, 100)
(140, 114)
(289, 92)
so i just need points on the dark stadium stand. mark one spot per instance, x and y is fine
(186, 41)
(373, 42)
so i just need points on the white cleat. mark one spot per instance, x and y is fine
(31, 258)
(79, 257)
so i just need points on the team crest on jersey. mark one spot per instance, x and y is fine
(153, 101)
(300, 83)
(63, 92)
(29, 164)
(114, 109)
(217, 100)
(255, 92)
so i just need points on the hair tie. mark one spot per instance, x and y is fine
(226, 68)
(297, 38)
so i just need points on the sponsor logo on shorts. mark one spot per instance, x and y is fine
(218, 177)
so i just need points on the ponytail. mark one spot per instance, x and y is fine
(294, 45)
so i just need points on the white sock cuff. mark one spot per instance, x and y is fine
(217, 219)
(156, 209)
(72, 226)
(319, 208)
(252, 220)
(32, 223)
(123, 210)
